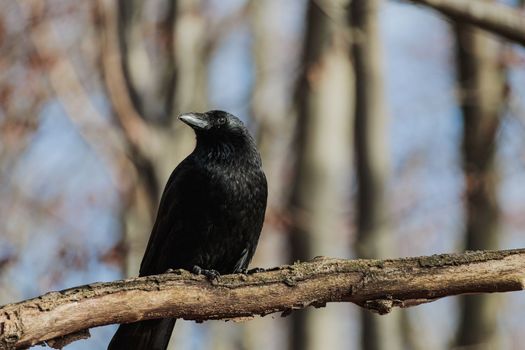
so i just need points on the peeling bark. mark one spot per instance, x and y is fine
(378, 285)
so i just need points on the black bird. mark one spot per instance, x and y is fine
(209, 219)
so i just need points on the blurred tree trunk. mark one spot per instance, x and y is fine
(373, 240)
(322, 153)
(269, 106)
(482, 98)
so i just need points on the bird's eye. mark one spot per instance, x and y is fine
(222, 120)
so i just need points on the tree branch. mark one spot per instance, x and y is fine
(377, 285)
(496, 18)
(133, 126)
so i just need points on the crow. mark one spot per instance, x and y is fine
(209, 218)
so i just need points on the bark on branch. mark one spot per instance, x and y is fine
(377, 285)
(496, 18)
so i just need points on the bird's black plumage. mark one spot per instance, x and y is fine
(210, 215)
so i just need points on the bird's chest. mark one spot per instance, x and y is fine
(231, 214)
(234, 191)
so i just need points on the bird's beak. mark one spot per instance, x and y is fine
(195, 120)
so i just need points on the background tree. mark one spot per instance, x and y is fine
(372, 164)
(482, 97)
(322, 135)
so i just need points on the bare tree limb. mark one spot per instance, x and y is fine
(377, 285)
(134, 128)
(494, 17)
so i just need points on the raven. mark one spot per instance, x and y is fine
(209, 219)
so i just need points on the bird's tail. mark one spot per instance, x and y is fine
(143, 335)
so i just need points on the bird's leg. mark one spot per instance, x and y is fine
(212, 275)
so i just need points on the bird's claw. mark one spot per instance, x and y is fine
(254, 270)
(211, 275)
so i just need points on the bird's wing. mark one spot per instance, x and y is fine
(178, 196)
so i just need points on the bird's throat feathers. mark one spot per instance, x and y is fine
(228, 150)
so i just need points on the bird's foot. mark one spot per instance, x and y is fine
(254, 270)
(211, 275)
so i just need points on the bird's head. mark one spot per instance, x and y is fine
(214, 124)
(222, 137)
